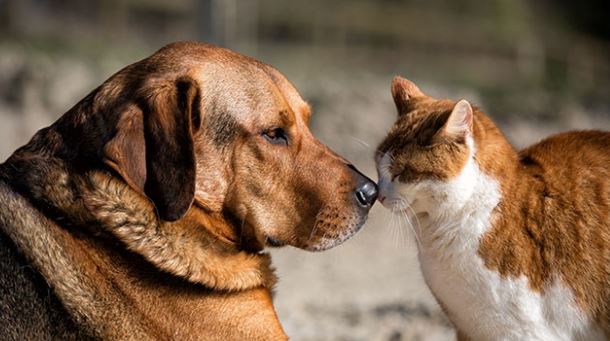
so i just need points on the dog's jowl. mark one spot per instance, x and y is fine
(143, 211)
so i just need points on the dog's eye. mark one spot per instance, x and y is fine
(276, 136)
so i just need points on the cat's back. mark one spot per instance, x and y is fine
(569, 178)
(572, 163)
(571, 151)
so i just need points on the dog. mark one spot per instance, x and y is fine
(143, 212)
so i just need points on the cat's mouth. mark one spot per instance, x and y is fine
(398, 205)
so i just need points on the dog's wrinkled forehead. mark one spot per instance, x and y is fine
(243, 88)
(290, 94)
(241, 97)
(231, 83)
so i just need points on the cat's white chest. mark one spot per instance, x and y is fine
(482, 303)
(488, 307)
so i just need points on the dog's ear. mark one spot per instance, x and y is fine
(153, 146)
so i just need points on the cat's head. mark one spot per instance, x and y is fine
(426, 159)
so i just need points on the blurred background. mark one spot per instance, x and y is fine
(536, 67)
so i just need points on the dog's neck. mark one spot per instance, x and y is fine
(198, 247)
(116, 295)
(194, 247)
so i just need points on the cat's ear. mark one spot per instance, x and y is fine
(403, 91)
(459, 123)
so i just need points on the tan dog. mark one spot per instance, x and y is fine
(142, 212)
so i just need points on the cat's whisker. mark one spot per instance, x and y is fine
(418, 232)
(398, 233)
(416, 218)
(394, 228)
(406, 206)
(361, 142)
(390, 226)
(397, 227)
(410, 223)
(404, 236)
(399, 204)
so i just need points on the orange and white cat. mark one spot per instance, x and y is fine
(515, 245)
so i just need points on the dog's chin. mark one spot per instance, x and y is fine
(331, 229)
(330, 240)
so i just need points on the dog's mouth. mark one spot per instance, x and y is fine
(274, 242)
(329, 230)
(328, 242)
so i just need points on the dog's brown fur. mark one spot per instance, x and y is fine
(146, 206)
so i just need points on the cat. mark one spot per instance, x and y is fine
(514, 245)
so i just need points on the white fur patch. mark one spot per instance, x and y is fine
(450, 218)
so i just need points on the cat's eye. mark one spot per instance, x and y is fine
(276, 136)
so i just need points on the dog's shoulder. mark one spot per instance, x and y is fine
(29, 309)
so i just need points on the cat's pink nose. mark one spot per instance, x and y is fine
(381, 198)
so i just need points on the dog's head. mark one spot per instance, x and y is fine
(196, 124)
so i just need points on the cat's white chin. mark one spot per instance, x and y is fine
(399, 205)
(412, 211)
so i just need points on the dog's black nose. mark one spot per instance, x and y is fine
(366, 190)
(366, 194)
